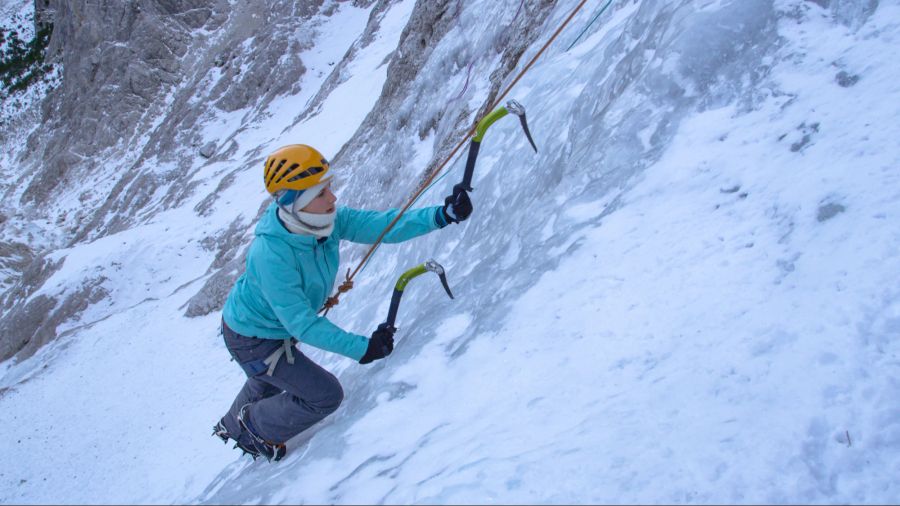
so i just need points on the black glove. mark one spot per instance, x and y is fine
(380, 345)
(457, 207)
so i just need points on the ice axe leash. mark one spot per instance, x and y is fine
(406, 277)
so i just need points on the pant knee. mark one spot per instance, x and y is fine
(334, 398)
(327, 399)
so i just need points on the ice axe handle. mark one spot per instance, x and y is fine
(470, 169)
(480, 130)
(395, 306)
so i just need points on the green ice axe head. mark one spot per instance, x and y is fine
(511, 107)
(406, 277)
(486, 123)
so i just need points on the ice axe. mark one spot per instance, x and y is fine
(406, 277)
(513, 107)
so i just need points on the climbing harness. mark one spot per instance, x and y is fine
(334, 299)
(286, 348)
(406, 277)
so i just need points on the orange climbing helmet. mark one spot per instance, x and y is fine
(295, 167)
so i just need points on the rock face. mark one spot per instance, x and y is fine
(119, 59)
(231, 253)
(135, 84)
(26, 318)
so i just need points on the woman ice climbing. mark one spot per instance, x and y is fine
(291, 268)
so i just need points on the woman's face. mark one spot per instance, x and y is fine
(323, 203)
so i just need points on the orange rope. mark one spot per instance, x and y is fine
(334, 300)
(348, 281)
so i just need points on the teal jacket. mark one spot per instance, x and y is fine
(289, 276)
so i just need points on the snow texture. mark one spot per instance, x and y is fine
(687, 296)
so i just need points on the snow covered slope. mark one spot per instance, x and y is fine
(688, 295)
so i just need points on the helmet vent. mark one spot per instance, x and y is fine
(287, 171)
(272, 173)
(312, 171)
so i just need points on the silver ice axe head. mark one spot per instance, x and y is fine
(519, 110)
(438, 269)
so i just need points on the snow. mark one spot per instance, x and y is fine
(349, 103)
(675, 301)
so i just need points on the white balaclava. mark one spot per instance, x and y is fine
(299, 222)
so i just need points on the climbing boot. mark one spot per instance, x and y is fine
(251, 443)
(221, 432)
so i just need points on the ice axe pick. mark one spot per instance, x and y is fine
(406, 277)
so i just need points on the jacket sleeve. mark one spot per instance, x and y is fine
(362, 226)
(282, 287)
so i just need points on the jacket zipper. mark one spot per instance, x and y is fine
(319, 267)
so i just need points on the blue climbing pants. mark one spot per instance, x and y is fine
(284, 398)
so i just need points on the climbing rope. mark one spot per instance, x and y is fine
(345, 287)
(348, 282)
(588, 25)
